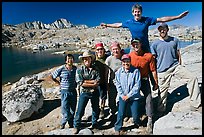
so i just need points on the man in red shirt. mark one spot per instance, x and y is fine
(146, 64)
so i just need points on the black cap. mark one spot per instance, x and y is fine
(135, 40)
(163, 25)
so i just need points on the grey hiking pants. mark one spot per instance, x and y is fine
(164, 80)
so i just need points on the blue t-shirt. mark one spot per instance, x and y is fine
(165, 52)
(67, 77)
(139, 29)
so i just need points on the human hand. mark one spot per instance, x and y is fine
(183, 14)
(155, 87)
(125, 98)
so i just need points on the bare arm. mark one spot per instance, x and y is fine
(55, 80)
(154, 73)
(114, 25)
(170, 18)
(179, 56)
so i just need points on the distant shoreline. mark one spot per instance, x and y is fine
(40, 69)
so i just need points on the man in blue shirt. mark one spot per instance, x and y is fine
(67, 83)
(167, 53)
(138, 26)
(128, 82)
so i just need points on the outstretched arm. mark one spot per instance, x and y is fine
(114, 25)
(170, 18)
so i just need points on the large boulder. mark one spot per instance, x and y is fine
(20, 102)
(179, 123)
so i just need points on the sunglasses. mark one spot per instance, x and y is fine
(135, 45)
(162, 29)
(99, 49)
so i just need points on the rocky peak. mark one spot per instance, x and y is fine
(58, 24)
(61, 24)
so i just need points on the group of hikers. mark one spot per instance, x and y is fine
(124, 79)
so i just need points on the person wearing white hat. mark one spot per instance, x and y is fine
(87, 78)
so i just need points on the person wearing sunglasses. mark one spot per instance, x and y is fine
(103, 71)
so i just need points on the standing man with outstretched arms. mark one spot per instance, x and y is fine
(138, 26)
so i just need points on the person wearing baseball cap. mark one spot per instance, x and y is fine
(166, 50)
(100, 52)
(115, 44)
(146, 64)
(139, 25)
(128, 82)
(162, 25)
(103, 71)
(114, 63)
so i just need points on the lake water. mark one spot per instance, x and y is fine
(17, 63)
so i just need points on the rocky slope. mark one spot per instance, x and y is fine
(37, 36)
(179, 121)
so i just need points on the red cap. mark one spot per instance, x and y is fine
(115, 44)
(125, 56)
(99, 45)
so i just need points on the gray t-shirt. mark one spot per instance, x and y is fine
(165, 52)
(114, 64)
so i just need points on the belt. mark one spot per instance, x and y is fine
(89, 90)
(145, 78)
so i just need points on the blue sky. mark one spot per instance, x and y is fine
(93, 13)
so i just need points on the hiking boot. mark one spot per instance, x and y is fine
(143, 117)
(75, 131)
(126, 119)
(62, 126)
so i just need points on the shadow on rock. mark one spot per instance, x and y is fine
(176, 96)
(112, 119)
(48, 106)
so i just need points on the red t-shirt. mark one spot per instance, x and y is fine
(144, 63)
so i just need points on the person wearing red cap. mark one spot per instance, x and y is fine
(103, 71)
(146, 64)
(114, 63)
(128, 82)
(138, 26)
(166, 50)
